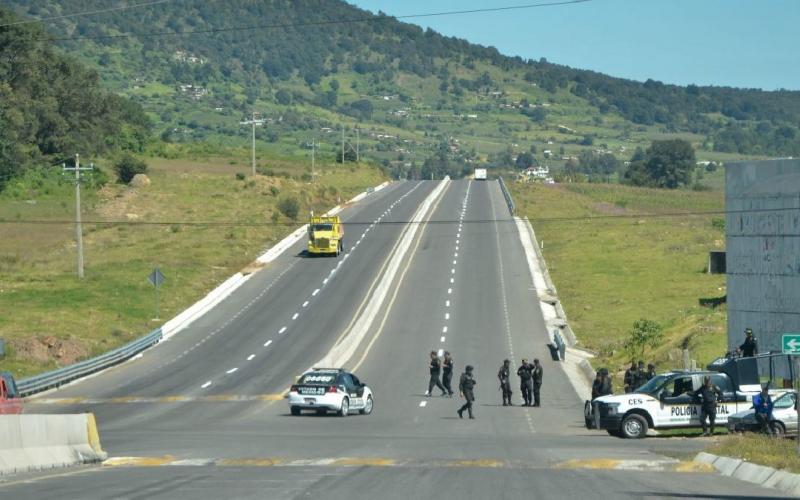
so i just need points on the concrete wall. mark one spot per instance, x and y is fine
(38, 442)
(762, 201)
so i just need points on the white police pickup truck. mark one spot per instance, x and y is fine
(666, 400)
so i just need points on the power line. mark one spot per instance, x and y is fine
(84, 13)
(404, 222)
(372, 18)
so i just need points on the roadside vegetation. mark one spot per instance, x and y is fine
(759, 449)
(51, 318)
(618, 254)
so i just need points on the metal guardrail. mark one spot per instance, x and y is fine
(57, 378)
(507, 195)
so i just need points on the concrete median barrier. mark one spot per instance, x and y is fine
(38, 442)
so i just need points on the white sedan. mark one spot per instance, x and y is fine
(330, 389)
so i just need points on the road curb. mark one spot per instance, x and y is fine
(762, 475)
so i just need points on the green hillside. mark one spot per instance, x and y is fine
(414, 94)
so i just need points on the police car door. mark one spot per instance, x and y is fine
(356, 401)
(727, 406)
(677, 407)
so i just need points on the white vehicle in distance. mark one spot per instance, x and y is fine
(480, 174)
(330, 389)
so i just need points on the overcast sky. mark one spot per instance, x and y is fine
(737, 43)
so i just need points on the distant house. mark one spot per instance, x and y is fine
(547, 153)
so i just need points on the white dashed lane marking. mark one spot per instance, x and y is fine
(295, 316)
(250, 357)
(205, 385)
(447, 304)
(232, 370)
(442, 339)
(267, 343)
(446, 315)
(305, 304)
(444, 329)
(422, 404)
(315, 292)
(283, 329)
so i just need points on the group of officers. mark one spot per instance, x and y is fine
(441, 376)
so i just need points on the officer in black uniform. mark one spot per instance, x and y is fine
(525, 381)
(465, 386)
(708, 394)
(750, 346)
(537, 373)
(651, 371)
(447, 373)
(436, 368)
(602, 384)
(630, 378)
(505, 382)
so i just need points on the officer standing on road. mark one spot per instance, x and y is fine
(537, 374)
(749, 347)
(602, 384)
(525, 382)
(505, 382)
(465, 386)
(436, 368)
(447, 373)
(708, 405)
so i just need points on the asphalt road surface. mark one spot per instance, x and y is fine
(201, 415)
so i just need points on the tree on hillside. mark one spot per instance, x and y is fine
(127, 167)
(666, 164)
(525, 160)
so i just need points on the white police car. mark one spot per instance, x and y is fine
(330, 389)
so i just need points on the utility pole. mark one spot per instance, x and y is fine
(342, 144)
(358, 145)
(313, 161)
(253, 122)
(78, 228)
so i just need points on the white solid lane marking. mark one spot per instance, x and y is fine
(232, 370)
(442, 339)
(205, 385)
(444, 329)
(250, 357)
(267, 343)
(305, 303)
(295, 316)
(315, 292)
(447, 304)
(446, 315)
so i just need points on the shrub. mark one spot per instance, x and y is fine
(645, 333)
(289, 207)
(239, 176)
(274, 190)
(128, 166)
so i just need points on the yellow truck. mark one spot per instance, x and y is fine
(325, 235)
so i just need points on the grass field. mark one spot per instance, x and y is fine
(57, 318)
(760, 449)
(617, 255)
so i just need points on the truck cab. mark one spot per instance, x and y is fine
(667, 401)
(10, 402)
(325, 236)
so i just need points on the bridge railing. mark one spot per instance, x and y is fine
(510, 202)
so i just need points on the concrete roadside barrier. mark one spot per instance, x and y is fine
(38, 442)
(762, 475)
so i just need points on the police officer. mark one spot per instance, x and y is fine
(447, 373)
(641, 376)
(651, 371)
(537, 373)
(505, 382)
(525, 382)
(435, 368)
(602, 384)
(465, 386)
(630, 377)
(749, 347)
(708, 394)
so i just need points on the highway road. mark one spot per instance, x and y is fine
(201, 416)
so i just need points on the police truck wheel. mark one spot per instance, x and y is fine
(345, 409)
(634, 426)
(367, 406)
(295, 410)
